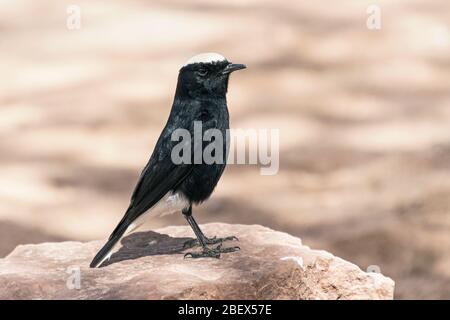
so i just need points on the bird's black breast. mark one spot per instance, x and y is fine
(202, 180)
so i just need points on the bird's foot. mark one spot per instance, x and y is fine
(211, 253)
(214, 240)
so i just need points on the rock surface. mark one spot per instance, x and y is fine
(150, 265)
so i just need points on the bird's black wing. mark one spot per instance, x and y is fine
(159, 176)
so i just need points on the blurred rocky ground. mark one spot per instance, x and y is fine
(364, 119)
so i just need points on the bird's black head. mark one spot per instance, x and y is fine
(205, 75)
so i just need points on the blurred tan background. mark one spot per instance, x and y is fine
(364, 118)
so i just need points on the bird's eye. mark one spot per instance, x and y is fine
(202, 72)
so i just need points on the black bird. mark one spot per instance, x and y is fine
(165, 186)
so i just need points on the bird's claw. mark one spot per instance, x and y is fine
(232, 238)
(214, 240)
(211, 253)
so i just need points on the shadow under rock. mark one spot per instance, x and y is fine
(149, 243)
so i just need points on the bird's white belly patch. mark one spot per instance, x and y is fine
(170, 203)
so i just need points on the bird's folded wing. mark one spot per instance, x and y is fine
(155, 182)
(161, 174)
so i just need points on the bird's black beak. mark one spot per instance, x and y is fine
(233, 67)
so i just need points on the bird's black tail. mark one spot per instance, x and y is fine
(102, 255)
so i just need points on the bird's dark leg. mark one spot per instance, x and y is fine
(204, 241)
(201, 238)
